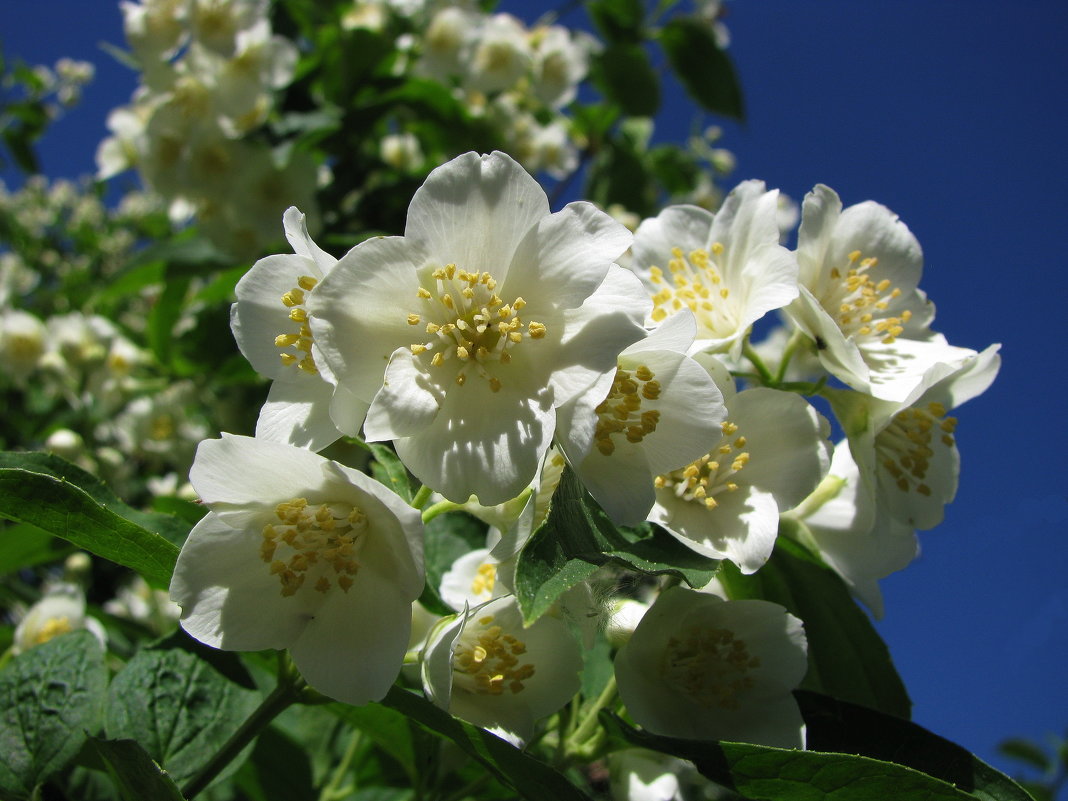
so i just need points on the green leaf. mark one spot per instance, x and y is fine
(389, 729)
(163, 316)
(674, 168)
(165, 525)
(23, 545)
(838, 726)
(178, 707)
(777, 774)
(618, 20)
(50, 697)
(1026, 752)
(65, 510)
(278, 768)
(846, 657)
(448, 537)
(706, 71)
(625, 75)
(577, 538)
(526, 775)
(620, 173)
(388, 469)
(135, 775)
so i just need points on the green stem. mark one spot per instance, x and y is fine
(286, 693)
(788, 353)
(421, 497)
(333, 790)
(577, 743)
(439, 508)
(758, 364)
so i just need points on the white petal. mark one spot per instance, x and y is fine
(228, 597)
(240, 477)
(353, 648)
(296, 228)
(786, 439)
(360, 312)
(565, 256)
(298, 413)
(481, 443)
(259, 314)
(474, 211)
(684, 227)
(409, 399)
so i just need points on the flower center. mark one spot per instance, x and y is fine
(858, 302)
(713, 473)
(52, 627)
(904, 446)
(470, 326)
(485, 579)
(486, 660)
(693, 282)
(710, 665)
(313, 541)
(621, 412)
(297, 346)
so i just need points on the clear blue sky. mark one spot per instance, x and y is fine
(952, 114)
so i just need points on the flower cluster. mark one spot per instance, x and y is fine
(520, 79)
(497, 345)
(209, 70)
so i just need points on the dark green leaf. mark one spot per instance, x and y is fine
(388, 469)
(23, 545)
(277, 769)
(448, 537)
(1026, 752)
(389, 730)
(67, 511)
(178, 707)
(526, 775)
(618, 20)
(625, 75)
(577, 538)
(846, 657)
(164, 314)
(675, 169)
(165, 525)
(850, 729)
(135, 775)
(620, 173)
(50, 697)
(703, 68)
(762, 773)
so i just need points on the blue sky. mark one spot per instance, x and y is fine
(953, 115)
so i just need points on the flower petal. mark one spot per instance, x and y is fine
(475, 210)
(298, 413)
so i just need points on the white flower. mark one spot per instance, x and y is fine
(270, 324)
(727, 268)
(637, 774)
(499, 56)
(466, 333)
(906, 452)
(484, 667)
(60, 611)
(23, 341)
(773, 451)
(561, 61)
(698, 667)
(661, 411)
(857, 542)
(472, 580)
(859, 270)
(301, 553)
